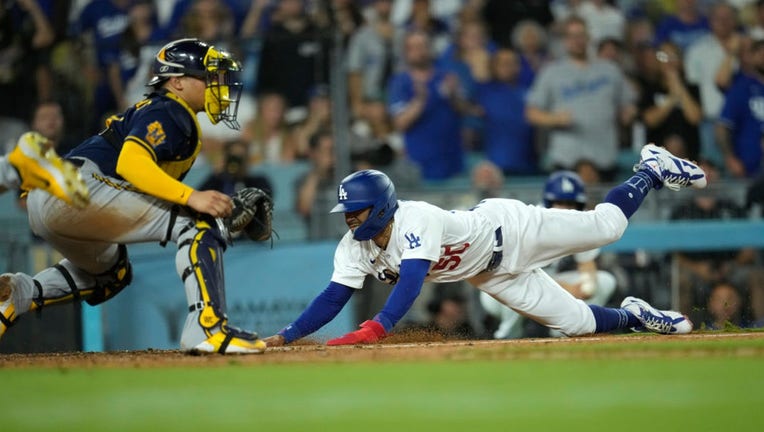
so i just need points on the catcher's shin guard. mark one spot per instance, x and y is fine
(20, 293)
(199, 262)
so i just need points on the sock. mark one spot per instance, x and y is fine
(608, 319)
(629, 195)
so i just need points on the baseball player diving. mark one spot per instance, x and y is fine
(133, 171)
(499, 246)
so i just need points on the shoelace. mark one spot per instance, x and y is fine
(659, 324)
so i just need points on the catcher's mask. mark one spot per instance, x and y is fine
(565, 186)
(217, 68)
(364, 189)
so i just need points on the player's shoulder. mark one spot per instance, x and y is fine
(168, 111)
(351, 250)
(410, 209)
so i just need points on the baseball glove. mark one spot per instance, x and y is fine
(252, 214)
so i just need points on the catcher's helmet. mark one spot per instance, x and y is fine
(364, 189)
(565, 186)
(192, 57)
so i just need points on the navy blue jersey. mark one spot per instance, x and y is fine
(162, 123)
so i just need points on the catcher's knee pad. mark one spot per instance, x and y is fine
(199, 262)
(114, 280)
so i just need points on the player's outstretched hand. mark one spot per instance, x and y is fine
(211, 202)
(370, 332)
(274, 341)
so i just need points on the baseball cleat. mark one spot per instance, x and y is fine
(39, 167)
(231, 340)
(654, 320)
(7, 308)
(672, 171)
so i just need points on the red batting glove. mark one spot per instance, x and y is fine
(370, 332)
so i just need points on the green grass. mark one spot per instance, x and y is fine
(719, 386)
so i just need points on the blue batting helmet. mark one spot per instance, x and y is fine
(367, 189)
(565, 186)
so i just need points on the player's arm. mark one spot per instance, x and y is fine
(137, 164)
(412, 275)
(319, 312)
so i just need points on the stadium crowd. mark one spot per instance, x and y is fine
(436, 91)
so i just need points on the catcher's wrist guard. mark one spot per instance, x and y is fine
(252, 214)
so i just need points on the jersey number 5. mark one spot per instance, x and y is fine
(451, 258)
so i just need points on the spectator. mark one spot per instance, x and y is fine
(603, 20)
(756, 29)
(710, 63)
(317, 183)
(469, 60)
(376, 145)
(181, 10)
(258, 18)
(371, 58)
(669, 106)
(448, 315)
(123, 69)
(640, 34)
(684, 27)
(25, 77)
(507, 136)
(267, 134)
(424, 103)
(610, 49)
(48, 120)
(725, 307)
(741, 121)
(208, 20)
(530, 41)
(503, 16)
(100, 27)
(582, 102)
(487, 180)
(422, 20)
(319, 118)
(294, 56)
(342, 15)
(469, 57)
(234, 174)
(376, 125)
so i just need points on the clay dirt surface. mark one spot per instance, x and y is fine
(411, 347)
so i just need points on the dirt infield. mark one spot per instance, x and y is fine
(411, 348)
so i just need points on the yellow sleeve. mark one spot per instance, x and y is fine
(137, 165)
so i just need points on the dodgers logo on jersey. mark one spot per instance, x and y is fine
(341, 194)
(155, 134)
(414, 240)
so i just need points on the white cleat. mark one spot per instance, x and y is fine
(654, 320)
(674, 172)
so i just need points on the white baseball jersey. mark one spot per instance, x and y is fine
(458, 242)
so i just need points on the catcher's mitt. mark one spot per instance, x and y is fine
(252, 214)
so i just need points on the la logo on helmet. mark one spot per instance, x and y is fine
(341, 194)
